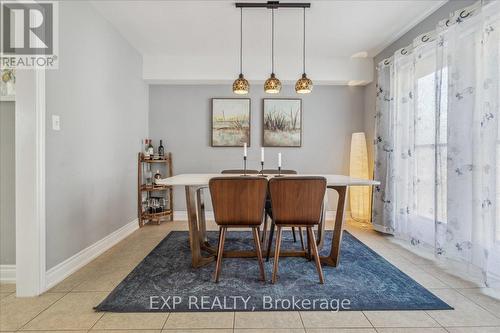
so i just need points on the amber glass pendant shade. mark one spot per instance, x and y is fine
(241, 85)
(304, 85)
(272, 85)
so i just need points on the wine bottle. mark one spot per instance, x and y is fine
(146, 150)
(161, 150)
(151, 150)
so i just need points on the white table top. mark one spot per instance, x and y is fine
(202, 179)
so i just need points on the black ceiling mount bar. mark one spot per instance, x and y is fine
(273, 5)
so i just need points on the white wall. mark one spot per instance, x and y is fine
(180, 115)
(102, 100)
(7, 184)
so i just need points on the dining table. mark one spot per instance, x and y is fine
(195, 186)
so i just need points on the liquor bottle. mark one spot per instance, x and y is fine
(146, 150)
(161, 150)
(149, 175)
(151, 150)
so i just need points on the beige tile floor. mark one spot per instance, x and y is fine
(68, 306)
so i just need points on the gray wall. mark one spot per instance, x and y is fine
(428, 24)
(91, 163)
(7, 184)
(181, 116)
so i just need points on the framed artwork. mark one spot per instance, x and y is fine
(7, 85)
(230, 122)
(282, 123)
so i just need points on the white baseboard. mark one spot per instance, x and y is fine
(181, 215)
(8, 273)
(61, 271)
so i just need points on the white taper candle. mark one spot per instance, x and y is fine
(245, 149)
(279, 160)
(262, 154)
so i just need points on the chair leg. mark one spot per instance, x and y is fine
(276, 255)
(264, 231)
(294, 236)
(309, 256)
(220, 251)
(301, 239)
(270, 240)
(316, 254)
(259, 253)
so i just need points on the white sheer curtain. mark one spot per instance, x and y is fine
(437, 145)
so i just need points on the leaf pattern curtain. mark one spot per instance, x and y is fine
(437, 145)
(383, 207)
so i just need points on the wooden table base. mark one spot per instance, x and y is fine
(334, 257)
(198, 239)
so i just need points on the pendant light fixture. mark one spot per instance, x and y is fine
(241, 85)
(304, 85)
(272, 85)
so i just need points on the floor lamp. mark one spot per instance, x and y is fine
(358, 168)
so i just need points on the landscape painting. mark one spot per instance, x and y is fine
(282, 123)
(230, 122)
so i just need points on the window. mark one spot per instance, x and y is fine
(425, 149)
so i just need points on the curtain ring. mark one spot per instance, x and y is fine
(462, 14)
(425, 38)
(447, 23)
(387, 62)
(404, 52)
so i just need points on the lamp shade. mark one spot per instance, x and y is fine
(272, 85)
(358, 168)
(304, 85)
(241, 85)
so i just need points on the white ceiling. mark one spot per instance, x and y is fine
(211, 28)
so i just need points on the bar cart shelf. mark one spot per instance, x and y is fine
(148, 192)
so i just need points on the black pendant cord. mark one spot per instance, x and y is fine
(241, 40)
(304, 44)
(272, 41)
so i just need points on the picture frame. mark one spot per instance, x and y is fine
(230, 122)
(7, 85)
(282, 122)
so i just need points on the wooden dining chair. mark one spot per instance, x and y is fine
(297, 202)
(239, 172)
(238, 202)
(269, 213)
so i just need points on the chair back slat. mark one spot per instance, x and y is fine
(238, 200)
(297, 200)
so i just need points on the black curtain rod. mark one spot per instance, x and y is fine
(273, 5)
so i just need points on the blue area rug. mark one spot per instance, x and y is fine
(165, 281)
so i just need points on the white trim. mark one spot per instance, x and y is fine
(181, 215)
(30, 182)
(61, 271)
(376, 51)
(40, 213)
(8, 273)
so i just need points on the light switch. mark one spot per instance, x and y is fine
(56, 123)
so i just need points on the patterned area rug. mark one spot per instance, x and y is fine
(165, 281)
